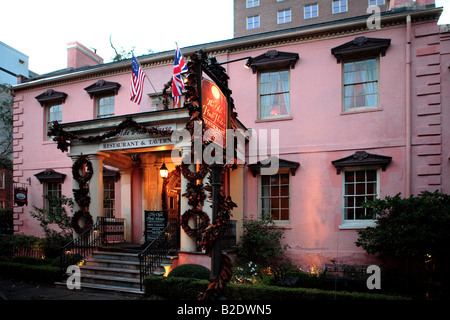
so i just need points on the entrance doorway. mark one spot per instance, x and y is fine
(171, 203)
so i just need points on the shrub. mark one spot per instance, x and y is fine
(412, 235)
(174, 288)
(195, 271)
(260, 243)
(6, 222)
(34, 273)
(185, 288)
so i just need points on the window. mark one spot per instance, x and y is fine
(360, 78)
(359, 186)
(2, 180)
(252, 22)
(284, 16)
(109, 198)
(274, 94)
(105, 106)
(339, 6)
(54, 113)
(376, 2)
(252, 3)
(52, 192)
(275, 197)
(311, 11)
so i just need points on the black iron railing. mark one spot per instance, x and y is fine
(152, 256)
(104, 231)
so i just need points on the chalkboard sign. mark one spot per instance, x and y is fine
(155, 222)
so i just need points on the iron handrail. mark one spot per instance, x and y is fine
(80, 247)
(151, 257)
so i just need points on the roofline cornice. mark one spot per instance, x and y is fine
(236, 45)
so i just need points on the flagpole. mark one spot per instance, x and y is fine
(146, 76)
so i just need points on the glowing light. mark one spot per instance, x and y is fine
(167, 270)
(215, 92)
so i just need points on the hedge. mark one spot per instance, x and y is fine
(183, 288)
(33, 273)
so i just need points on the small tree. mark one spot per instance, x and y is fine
(414, 232)
(55, 215)
(261, 243)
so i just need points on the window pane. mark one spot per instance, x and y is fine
(284, 191)
(284, 179)
(284, 214)
(284, 203)
(349, 176)
(275, 191)
(359, 186)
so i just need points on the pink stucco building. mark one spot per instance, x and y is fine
(358, 112)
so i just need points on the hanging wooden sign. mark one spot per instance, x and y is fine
(20, 196)
(215, 112)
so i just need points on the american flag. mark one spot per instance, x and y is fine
(179, 66)
(137, 81)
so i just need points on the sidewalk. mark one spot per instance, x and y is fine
(14, 290)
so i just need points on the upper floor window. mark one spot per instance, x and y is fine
(105, 106)
(252, 3)
(103, 92)
(360, 90)
(284, 16)
(53, 113)
(339, 6)
(311, 11)
(376, 2)
(252, 22)
(274, 94)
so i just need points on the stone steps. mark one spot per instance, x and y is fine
(112, 270)
(116, 268)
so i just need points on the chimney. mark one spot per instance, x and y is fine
(80, 56)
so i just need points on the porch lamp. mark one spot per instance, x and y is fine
(163, 171)
(247, 64)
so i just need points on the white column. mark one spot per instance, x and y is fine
(187, 243)
(96, 187)
(125, 201)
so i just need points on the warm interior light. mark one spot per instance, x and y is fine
(163, 171)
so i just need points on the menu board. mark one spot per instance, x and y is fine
(155, 222)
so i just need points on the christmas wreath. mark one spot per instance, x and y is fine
(77, 166)
(88, 221)
(204, 222)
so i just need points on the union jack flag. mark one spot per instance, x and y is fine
(179, 66)
(137, 81)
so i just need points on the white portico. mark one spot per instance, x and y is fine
(137, 156)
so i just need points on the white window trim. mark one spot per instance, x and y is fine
(309, 5)
(381, 4)
(357, 224)
(284, 17)
(47, 118)
(363, 108)
(346, 6)
(252, 6)
(278, 117)
(259, 22)
(276, 222)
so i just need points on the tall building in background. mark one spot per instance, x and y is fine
(13, 63)
(258, 16)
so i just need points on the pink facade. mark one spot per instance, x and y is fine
(405, 127)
